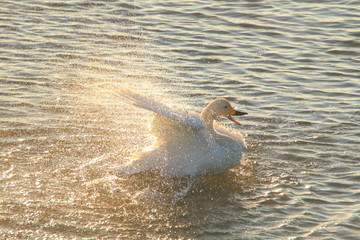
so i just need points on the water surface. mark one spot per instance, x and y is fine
(292, 65)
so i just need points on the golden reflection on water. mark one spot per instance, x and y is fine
(56, 175)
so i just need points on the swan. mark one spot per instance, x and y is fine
(187, 143)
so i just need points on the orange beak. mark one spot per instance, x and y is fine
(233, 112)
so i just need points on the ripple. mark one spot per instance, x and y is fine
(342, 52)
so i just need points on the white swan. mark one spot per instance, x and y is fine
(187, 144)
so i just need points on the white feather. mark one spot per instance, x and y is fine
(142, 101)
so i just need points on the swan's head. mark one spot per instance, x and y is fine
(220, 107)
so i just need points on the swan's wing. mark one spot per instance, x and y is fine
(142, 101)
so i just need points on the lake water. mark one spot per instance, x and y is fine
(292, 65)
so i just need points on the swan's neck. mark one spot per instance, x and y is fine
(208, 116)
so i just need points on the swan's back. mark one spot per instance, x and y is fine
(188, 151)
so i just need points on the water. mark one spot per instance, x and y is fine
(292, 65)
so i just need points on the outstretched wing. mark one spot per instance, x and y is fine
(140, 100)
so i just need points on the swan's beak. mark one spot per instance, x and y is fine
(234, 113)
